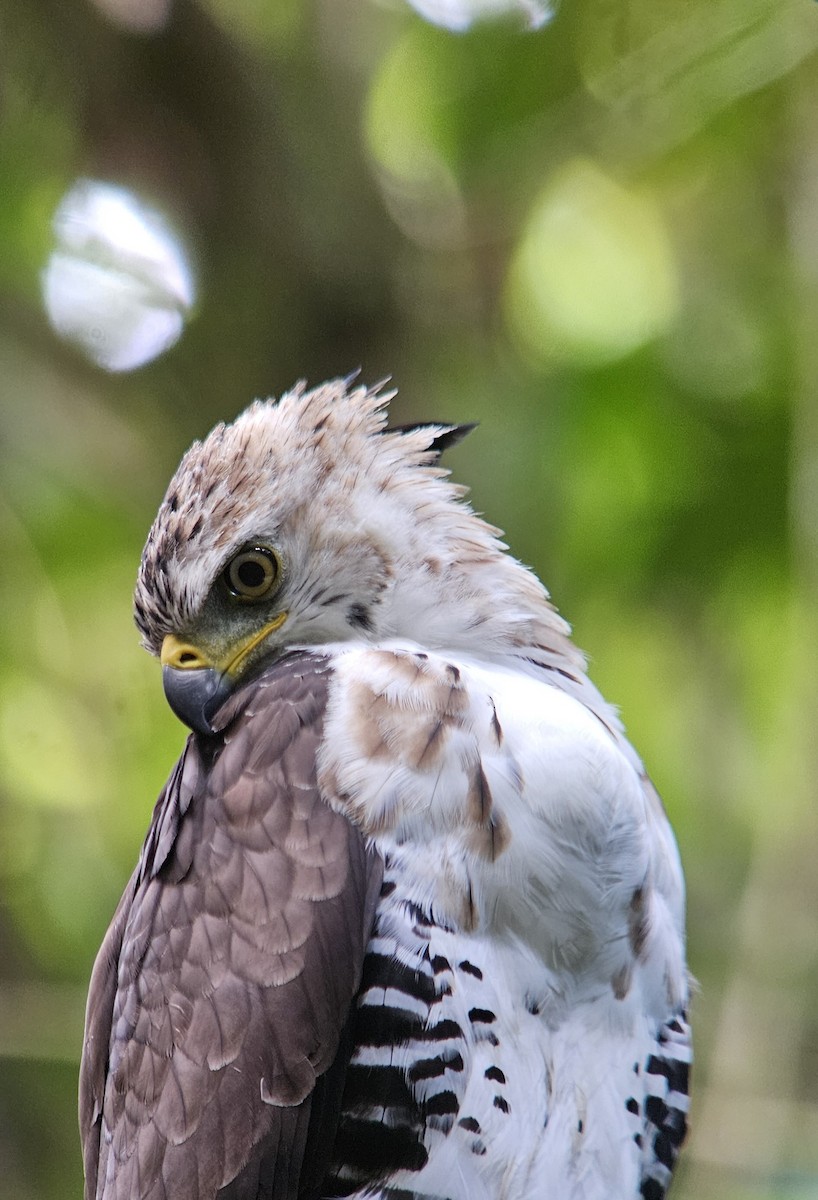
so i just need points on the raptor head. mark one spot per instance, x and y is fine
(304, 522)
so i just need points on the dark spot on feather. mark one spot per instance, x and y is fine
(565, 674)
(677, 1073)
(579, 1126)
(632, 1106)
(478, 1147)
(439, 963)
(470, 969)
(443, 1104)
(664, 1150)
(498, 838)
(638, 921)
(359, 617)
(420, 919)
(469, 1123)
(469, 917)
(496, 1074)
(442, 1032)
(501, 1103)
(434, 1068)
(481, 1016)
(480, 799)
(491, 837)
(495, 724)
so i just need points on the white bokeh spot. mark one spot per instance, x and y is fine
(460, 15)
(118, 283)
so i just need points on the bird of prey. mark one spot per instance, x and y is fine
(409, 918)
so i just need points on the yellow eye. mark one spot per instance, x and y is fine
(252, 573)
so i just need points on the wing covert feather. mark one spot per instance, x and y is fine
(222, 988)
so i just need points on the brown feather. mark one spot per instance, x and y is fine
(223, 986)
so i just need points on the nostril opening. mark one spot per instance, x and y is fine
(187, 657)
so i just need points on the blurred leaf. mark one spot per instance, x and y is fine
(593, 277)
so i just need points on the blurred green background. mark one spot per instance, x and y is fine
(597, 235)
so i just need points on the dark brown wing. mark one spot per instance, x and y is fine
(220, 995)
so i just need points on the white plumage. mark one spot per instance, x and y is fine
(544, 908)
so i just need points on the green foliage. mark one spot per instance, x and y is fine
(598, 240)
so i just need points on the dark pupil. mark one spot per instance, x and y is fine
(251, 574)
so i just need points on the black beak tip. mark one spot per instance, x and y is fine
(195, 696)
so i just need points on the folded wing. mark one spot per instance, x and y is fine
(219, 998)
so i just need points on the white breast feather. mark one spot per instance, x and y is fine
(524, 828)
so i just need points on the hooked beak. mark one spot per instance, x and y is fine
(196, 684)
(195, 696)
